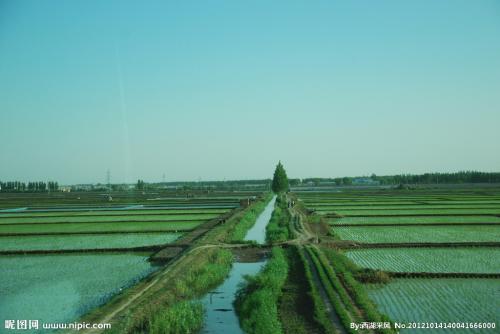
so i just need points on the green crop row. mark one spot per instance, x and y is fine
(277, 230)
(343, 308)
(410, 234)
(169, 226)
(139, 212)
(85, 241)
(257, 300)
(108, 218)
(345, 270)
(413, 212)
(453, 220)
(320, 314)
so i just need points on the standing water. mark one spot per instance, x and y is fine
(220, 316)
(258, 231)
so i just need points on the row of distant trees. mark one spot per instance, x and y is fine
(459, 177)
(426, 178)
(18, 186)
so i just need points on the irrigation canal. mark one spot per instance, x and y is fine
(220, 316)
(258, 230)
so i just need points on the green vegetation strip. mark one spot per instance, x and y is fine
(105, 219)
(413, 212)
(415, 207)
(66, 242)
(336, 294)
(320, 313)
(413, 234)
(421, 220)
(129, 227)
(277, 230)
(257, 301)
(430, 260)
(187, 211)
(349, 274)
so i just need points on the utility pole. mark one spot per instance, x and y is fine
(108, 178)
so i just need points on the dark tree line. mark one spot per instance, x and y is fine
(436, 178)
(426, 178)
(18, 186)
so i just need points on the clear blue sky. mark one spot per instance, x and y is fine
(223, 89)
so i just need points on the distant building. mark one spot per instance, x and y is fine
(365, 181)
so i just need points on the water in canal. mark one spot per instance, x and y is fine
(220, 316)
(258, 231)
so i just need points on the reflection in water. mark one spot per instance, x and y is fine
(258, 231)
(220, 316)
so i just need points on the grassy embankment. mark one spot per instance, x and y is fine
(257, 301)
(278, 228)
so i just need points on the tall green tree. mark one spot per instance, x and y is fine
(280, 180)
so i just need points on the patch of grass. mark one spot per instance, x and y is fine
(182, 318)
(257, 300)
(277, 230)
